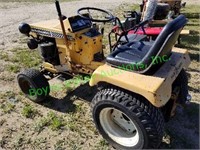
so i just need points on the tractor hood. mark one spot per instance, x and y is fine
(52, 28)
(50, 25)
(49, 28)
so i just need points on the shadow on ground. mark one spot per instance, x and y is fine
(181, 132)
(66, 105)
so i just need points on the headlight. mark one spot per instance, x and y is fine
(24, 28)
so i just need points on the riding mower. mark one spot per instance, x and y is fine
(140, 83)
(155, 14)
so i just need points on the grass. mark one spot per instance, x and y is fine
(15, 68)
(4, 56)
(28, 111)
(18, 141)
(7, 108)
(5, 77)
(40, 125)
(21, 58)
(59, 145)
(52, 120)
(5, 104)
(191, 41)
(76, 81)
(26, 58)
(55, 122)
(38, 143)
(191, 11)
(103, 144)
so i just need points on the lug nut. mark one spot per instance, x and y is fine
(189, 98)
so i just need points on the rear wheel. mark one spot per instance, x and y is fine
(33, 84)
(182, 82)
(127, 121)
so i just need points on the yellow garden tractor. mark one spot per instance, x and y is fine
(141, 82)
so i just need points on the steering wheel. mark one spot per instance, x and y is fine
(108, 16)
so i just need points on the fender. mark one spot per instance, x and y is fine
(155, 88)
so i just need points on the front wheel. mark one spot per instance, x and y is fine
(127, 121)
(33, 84)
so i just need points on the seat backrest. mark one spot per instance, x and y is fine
(166, 40)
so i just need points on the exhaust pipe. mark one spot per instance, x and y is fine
(61, 20)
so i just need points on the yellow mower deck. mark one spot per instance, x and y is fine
(155, 88)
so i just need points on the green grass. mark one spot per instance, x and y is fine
(53, 121)
(191, 11)
(9, 94)
(59, 145)
(4, 56)
(40, 125)
(28, 111)
(191, 41)
(73, 83)
(26, 58)
(15, 68)
(21, 58)
(102, 144)
(7, 108)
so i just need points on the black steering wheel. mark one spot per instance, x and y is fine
(108, 16)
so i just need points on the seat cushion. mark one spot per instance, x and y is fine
(134, 37)
(130, 54)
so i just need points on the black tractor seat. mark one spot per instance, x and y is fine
(137, 56)
(129, 54)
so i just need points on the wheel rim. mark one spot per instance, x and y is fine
(25, 86)
(119, 127)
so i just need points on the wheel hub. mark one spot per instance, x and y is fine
(124, 122)
(119, 127)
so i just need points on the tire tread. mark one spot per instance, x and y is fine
(150, 117)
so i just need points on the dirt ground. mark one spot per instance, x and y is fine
(74, 129)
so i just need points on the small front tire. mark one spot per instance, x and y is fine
(33, 84)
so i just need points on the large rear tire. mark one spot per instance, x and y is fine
(127, 121)
(33, 84)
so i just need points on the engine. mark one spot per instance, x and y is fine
(49, 52)
(47, 45)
